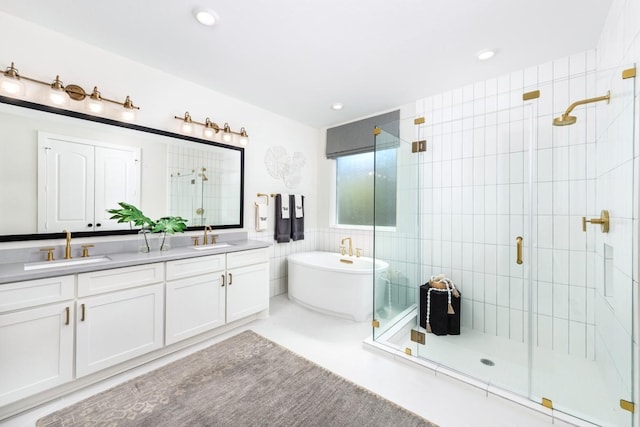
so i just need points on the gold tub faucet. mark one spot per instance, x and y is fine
(350, 244)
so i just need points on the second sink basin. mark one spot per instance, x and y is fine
(211, 247)
(64, 263)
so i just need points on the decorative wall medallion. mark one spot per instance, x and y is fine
(282, 166)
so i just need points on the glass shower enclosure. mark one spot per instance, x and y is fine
(533, 224)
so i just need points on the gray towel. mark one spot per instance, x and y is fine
(297, 224)
(283, 226)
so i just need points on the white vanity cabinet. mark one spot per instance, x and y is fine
(247, 283)
(120, 315)
(195, 296)
(36, 336)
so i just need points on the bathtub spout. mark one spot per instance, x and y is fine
(350, 244)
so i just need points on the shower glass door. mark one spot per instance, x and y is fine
(582, 352)
(396, 239)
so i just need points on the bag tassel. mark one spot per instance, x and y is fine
(450, 310)
(428, 328)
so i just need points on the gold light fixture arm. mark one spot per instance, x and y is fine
(75, 92)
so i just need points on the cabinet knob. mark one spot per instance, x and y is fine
(98, 225)
(90, 224)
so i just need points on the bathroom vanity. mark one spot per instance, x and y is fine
(66, 326)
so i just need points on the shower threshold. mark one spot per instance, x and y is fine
(395, 342)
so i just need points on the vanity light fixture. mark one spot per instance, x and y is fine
(210, 129)
(12, 84)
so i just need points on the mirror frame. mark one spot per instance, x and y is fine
(132, 126)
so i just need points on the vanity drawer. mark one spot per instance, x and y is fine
(98, 282)
(194, 266)
(31, 293)
(252, 256)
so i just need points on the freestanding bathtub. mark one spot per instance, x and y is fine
(324, 282)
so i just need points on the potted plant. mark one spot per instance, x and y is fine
(171, 225)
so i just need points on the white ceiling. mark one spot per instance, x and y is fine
(297, 57)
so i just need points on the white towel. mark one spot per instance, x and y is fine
(285, 206)
(298, 205)
(261, 216)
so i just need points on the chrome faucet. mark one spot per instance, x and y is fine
(67, 249)
(350, 244)
(205, 240)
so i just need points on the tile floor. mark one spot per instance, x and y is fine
(337, 345)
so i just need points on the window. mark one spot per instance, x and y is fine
(355, 182)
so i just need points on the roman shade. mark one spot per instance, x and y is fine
(357, 137)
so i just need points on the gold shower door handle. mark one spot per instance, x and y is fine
(519, 250)
(603, 221)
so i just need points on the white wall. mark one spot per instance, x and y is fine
(41, 54)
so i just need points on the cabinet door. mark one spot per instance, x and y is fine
(117, 179)
(36, 350)
(65, 185)
(194, 305)
(247, 290)
(116, 327)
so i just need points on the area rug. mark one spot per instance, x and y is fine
(245, 380)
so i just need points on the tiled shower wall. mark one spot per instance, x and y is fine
(475, 199)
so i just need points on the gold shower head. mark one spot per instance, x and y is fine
(566, 119)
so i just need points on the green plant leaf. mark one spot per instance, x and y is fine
(130, 213)
(169, 224)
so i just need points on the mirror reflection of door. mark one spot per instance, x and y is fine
(78, 180)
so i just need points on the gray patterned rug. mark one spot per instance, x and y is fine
(245, 380)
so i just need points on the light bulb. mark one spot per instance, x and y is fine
(244, 138)
(57, 95)
(208, 132)
(129, 112)
(10, 82)
(95, 104)
(226, 134)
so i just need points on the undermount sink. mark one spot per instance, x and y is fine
(210, 247)
(64, 263)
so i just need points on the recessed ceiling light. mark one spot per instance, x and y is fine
(205, 16)
(337, 106)
(485, 54)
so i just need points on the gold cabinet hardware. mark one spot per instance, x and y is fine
(519, 250)
(82, 313)
(67, 315)
(49, 253)
(230, 279)
(223, 280)
(196, 240)
(85, 250)
(603, 221)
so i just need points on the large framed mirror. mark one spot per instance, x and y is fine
(62, 169)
